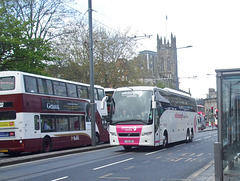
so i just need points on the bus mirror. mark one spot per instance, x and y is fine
(103, 102)
(154, 104)
(112, 107)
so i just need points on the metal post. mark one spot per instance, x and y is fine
(218, 161)
(92, 101)
(218, 146)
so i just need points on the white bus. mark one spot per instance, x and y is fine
(150, 116)
(39, 113)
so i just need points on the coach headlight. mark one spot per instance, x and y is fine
(146, 133)
(113, 134)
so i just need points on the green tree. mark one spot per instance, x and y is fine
(17, 51)
(27, 28)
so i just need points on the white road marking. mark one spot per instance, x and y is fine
(117, 178)
(112, 164)
(154, 152)
(61, 178)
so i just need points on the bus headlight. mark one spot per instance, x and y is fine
(146, 133)
(113, 134)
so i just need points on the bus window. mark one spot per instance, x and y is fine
(82, 92)
(72, 91)
(48, 123)
(36, 122)
(100, 94)
(82, 123)
(7, 115)
(74, 123)
(59, 88)
(62, 123)
(45, 86)
(49, 87)
(7, 83)
(95, 94)
(30, 84)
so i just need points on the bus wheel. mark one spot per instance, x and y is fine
(46, 145)
(165, 140)
(97, 139)
(127, 148)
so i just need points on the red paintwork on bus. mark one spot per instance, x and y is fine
(33, 104)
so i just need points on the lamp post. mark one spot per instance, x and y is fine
(177, 79)
(92, 101)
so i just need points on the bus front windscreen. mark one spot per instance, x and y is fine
(132, 107)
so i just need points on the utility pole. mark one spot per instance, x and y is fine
(92, 101)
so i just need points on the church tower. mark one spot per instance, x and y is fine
(167, 61)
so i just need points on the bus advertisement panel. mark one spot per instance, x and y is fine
(150, 116)
(39, 113)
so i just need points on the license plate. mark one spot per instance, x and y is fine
(128, 141)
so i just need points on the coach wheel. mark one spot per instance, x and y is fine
(127, 148)
(46, 145)
(188, 137)
(165, 140)
(191, 136)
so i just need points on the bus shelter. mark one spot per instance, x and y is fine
(227, 149)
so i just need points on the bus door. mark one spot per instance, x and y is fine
(37, 127)
(35, 132)
(157, 123)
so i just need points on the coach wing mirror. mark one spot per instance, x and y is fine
(154, 104)
(103, 102)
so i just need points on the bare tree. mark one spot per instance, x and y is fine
(47, 17)
(109, 47)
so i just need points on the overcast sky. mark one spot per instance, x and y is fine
(210, 26)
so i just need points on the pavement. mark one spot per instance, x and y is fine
(206, 173)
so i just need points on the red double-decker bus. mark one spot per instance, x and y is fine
(39, 113)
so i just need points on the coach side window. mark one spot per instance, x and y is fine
(30, 84)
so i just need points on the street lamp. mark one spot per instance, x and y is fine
(92, 100)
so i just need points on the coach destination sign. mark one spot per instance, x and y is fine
(62, 105)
